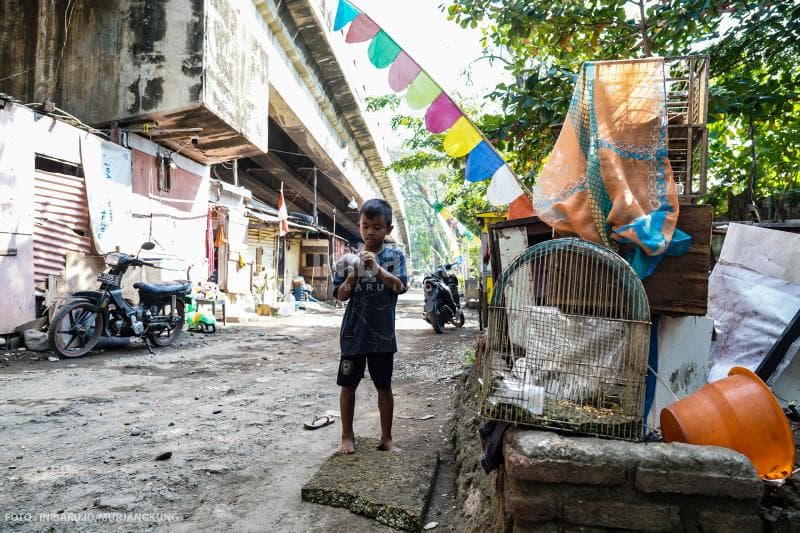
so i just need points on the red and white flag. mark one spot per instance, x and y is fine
(283, 215)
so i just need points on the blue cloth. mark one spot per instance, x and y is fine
(368, 323)
(652, 361)
(644, 265)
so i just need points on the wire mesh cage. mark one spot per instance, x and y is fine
(686, 83)
(567, 342)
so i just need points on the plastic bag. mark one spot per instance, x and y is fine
(287, 307)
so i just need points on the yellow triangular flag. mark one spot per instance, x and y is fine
(461, 138)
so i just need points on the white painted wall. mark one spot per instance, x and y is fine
(179, 235)
(684, 344)
(16, 217)
(23, 134)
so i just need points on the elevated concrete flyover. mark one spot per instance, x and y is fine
(313, 103)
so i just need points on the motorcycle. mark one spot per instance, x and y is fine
(85, 316)
(442, 301)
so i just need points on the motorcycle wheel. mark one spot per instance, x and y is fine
(167, 336)
(75, 328)
(458, 321)
(437, 322)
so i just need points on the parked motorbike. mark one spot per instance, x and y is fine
(442, 301)
(85, 316)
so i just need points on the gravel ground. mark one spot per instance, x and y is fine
(207, 434)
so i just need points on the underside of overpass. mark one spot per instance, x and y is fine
(286, 164)
(292, 150)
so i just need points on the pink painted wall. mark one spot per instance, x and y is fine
(185, 185)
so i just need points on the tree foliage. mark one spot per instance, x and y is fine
(754, 100)
(429, 243)
(754, 73)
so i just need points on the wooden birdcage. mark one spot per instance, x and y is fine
(567, 342)
(686, 84)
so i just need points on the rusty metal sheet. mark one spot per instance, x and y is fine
(61, 222)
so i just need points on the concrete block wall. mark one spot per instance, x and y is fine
(555, 483)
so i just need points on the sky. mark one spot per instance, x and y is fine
(444, 49)
(440, 46)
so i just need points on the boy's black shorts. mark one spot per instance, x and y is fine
(351, 369)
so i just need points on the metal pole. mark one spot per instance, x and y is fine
(316, 220)
(236, 172)
(466, 263)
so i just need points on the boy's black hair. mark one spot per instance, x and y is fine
(377, 207)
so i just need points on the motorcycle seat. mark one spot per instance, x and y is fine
(163, 288)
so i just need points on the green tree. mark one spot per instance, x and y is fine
(428, 241)
(754, 111)
(754, 73)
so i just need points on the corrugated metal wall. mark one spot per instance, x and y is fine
(61, 222)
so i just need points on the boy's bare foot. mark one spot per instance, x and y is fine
(388, 446)
(347, 447)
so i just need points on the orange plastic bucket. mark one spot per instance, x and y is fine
(737, 412)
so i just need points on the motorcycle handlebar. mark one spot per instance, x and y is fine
(141, 263)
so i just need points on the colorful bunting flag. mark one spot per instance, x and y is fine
(362, 29)
(344, 15)
(443, 115)
(504, 188)
(422, 91)
(402, 72)
(482, 163)
(461, 138)
(383, 50)
(452, 222)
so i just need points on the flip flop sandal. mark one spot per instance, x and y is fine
(318, 422)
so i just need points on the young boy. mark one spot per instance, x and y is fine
(367, 335)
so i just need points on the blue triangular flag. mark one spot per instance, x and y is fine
(345, 14)
(482, 162)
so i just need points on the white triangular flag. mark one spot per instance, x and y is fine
(504, 188)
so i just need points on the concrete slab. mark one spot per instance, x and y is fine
(392, 488)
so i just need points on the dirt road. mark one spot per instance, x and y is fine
(80, 436)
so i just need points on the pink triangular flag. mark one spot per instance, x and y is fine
(402, 72)
(442, 114)
(361, 29)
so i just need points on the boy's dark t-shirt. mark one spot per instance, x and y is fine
(368, 323)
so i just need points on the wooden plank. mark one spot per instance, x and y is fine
(696, 221)
(679, 286)
(677, 294)
(697, 259)
(315, 272)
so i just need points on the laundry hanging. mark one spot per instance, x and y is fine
(608, 178)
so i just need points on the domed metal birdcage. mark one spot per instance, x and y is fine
(567, 342)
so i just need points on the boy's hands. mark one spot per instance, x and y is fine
(368, 259)
(369, 262)
(346, 288)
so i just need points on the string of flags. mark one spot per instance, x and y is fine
(442, 115)
(452, 222)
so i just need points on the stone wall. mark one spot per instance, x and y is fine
(477, 494)
(556, 483)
